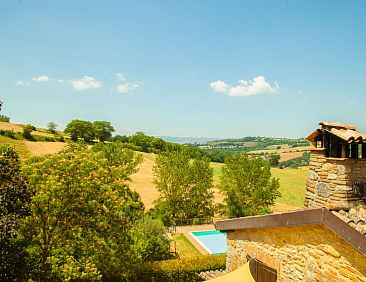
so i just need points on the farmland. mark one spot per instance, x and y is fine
(292, 181)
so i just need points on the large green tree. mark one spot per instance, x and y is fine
(80, 129)
(248, 186)
(15, 196)
(82, 212)
(103, 130)
(185, 185)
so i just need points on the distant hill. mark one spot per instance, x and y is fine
(252, 143)
(187, 140)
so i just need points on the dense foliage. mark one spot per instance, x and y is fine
(184, 270)
(185, 186)
(82, 212)
(27, 132)
(4, 118)
(15, 196)
(273, 159)
(7, 133)
(80, 129)
(102, 130)
(150, 242)
(247, 186)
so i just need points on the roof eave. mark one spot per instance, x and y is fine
(298, 218)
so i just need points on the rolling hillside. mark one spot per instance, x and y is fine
(292, 181)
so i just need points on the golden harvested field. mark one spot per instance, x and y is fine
(142, 181)
(10, 126)
(44, 148)
(285, 153)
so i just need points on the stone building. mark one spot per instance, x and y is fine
(325, 241)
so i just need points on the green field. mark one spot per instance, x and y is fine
(292, 183)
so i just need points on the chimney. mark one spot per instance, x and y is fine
(337, 168)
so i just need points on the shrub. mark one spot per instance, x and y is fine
(15, 196)
(27, 132)
(4, 118)
(7, 133)
(185, 269)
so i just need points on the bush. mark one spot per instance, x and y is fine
(7, 133)
(15, 196)
(27, 132)
(4, 118)
(185, 269)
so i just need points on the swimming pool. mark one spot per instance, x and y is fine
(213, 241)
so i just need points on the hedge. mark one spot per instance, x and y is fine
(183, 270)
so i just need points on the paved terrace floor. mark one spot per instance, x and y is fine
(186, 229)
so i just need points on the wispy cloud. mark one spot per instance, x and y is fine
(124, 86)
(120, 76)
(85, 83)
(19, 83)
(258, 85)
(40, 78)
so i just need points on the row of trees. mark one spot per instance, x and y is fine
(186, 187)
(88, 131)
(71, 216)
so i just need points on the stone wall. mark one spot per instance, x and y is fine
(330, 181)
(298, 253)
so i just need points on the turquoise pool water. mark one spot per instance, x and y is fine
(212, 241)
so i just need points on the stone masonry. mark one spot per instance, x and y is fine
(330, 181)
(298, 253)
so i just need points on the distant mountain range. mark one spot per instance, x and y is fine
(186, 140)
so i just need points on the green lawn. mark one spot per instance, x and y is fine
(184, 247)
(292, 183)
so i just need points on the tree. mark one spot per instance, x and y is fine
(185, 185)
(274, 160)
(82, 212)
(4, 118)
(80, 129)
(247, 186)
(103, 130)
(150, 242)
(27, 132)
(52, 127)
(141, 140)
(15, 196)
(120, 138)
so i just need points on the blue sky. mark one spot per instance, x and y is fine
(185, 68)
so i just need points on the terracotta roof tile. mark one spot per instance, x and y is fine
(348, 135)
(338, 125)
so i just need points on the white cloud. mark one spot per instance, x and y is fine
(120, 77)
(19, 83)
(85, 83)
(126, 87)
(41, 78)
(258, 85)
